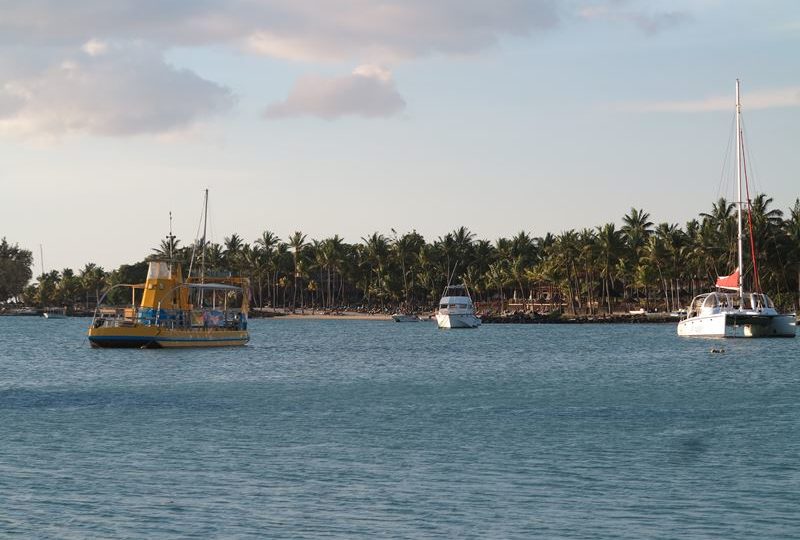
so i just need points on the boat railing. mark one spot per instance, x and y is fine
(201, 319)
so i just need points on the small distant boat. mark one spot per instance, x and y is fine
(405, 317)
(456, 309)
(55, 313)
(24, 312)
(739, 313)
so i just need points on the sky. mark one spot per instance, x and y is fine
(354, 116)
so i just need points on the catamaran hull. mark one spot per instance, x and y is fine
(147, 337)
(457, 321)
(739, 325)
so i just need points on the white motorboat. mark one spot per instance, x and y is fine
(456, 309)
(738, 313)
(405, 317)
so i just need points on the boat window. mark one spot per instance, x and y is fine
(711, 301)
(442, 306)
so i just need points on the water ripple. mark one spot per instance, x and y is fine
(351, 429)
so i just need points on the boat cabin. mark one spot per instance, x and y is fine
(456, 298)
(716, 302)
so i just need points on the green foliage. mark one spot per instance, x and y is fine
(606, 268)
(129, 274)
(15, 270)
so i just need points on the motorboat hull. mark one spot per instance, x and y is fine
(457, 320)
(399, 317)
(741, 324)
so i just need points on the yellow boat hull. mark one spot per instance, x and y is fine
(156, 337)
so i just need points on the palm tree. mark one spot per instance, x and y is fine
(610, 244)
(168, 247)
(635, 230)
(376, 250)
(296, 241)
(792, 234)
(267, 242)
(496, 275)
(462, 244)
(93, 279)
(404, 248)
(588, 256)
(523, 247)
(767, 230)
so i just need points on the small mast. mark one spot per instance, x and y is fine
(170, 242)
(739, 187)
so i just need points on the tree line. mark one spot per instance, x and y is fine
(588, 271)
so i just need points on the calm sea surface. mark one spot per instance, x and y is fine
(363, 429)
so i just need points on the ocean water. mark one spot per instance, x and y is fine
(364, 429)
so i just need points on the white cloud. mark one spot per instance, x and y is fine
(368, 91)
(10, 101)
(759, 99)
(627, 11)
(366, 30)
(107, 91)
(94, 47)
(110, 91)
(121, 92)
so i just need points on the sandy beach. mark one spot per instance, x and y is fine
(348, 315)
(322, 315)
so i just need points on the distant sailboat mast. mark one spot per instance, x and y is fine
(203, 249)
(203, 241)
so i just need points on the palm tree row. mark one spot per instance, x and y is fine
(598, 270)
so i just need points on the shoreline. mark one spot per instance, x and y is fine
(518, 318)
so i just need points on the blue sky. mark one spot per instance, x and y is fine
(353, 116)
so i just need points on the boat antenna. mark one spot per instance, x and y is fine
(739, 189)
(170, 240)
(452, 274)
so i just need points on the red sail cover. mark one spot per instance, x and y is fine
(729, 282)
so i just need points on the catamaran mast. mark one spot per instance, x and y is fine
(739, 187)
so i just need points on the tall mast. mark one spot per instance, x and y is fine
(739, 187)
(41, 259)
(203, 241)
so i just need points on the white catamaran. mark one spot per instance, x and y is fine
(738, 313)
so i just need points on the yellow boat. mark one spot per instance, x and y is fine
(166, 317)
